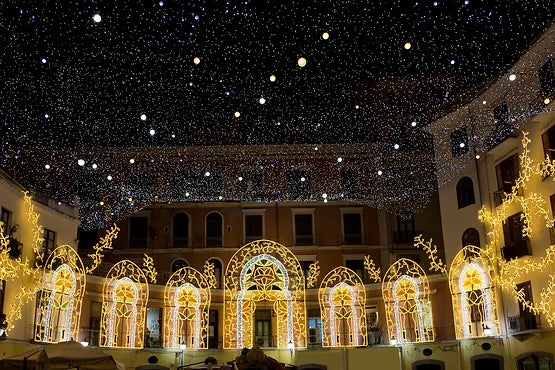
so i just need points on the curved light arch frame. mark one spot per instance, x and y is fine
(128, 272)
(186, 278)
(62, 258)
(233, 293)
(405, 269)
(357, 327)
(472, 257)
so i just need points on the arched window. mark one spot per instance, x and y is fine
(217, 271)
(465, 192)
(535, 361)
(487, 361)
(180, 232)
(428, 365)
(471, 236)
(214, 231)
(179, 263)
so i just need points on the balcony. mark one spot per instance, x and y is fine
(517, 249)
(499, 196)
(405, 236)
(521, 327)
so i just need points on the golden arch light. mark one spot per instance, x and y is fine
(342, 298)
(474, 294)
(264, 272)
(186, 305)
(125, 296)
(59, 305)
(406, 291)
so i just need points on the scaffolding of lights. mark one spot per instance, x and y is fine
(264, 274)
(474, 294)
(125, 297)
(59, 303)
(342, 299)
(186, 305)
(406, 295)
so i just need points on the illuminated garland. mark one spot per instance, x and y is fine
(38, 231)
(210, 275)
(313, 273)
(371, 268)
(104, 243)
(149, 269)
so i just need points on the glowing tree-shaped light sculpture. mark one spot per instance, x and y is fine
(59, 305)
(186, 304)
(474, 294)
(342, 298)
(406, 291)
(125, 296)
(266, 274)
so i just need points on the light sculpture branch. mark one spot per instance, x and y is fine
(371, 268)
(210, 275)
(149, 269)
(37, 230)
(313, 273)
(104, 243)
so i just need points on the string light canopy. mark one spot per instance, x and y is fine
(197, 78)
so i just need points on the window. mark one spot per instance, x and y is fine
(405, 228)
(87, 239)
(304, 232)
(352, 228)
(6, 218)
(465, 192)
(180, 231)
(548, 140)
(214, 231)
(527, 319)
(516, 245)
(178, 264)
(535, 361)
(254, 227)
(487, 361)
(217, 271)
(299, 184)
(546, 75)
(471, 237)
(49, 242)
(428, 365)
(507, 173)
(138, 232)
(349, 182)
(459, 142)
(358, 267)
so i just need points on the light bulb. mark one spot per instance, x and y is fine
(301, 62)
(97, 18)
(273, 78)
(81, 162)
(325, 35)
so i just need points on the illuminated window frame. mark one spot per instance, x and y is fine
(353, 322)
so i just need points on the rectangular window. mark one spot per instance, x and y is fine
(516, 245)
(459, 142)
(304, 233)
(352, 228)
(49, 242)
(548, 140)
(138, 232)
(254, 227)
(6, 218)
(405, 228)
(546, 75)
(358, 267)
(507, 173)
(527, 318)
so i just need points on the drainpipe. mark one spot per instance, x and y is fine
(277, 223)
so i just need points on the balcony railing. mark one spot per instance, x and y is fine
(518, 249)
(353, 239)
(499, 196)
(405, 236)
(523, 323)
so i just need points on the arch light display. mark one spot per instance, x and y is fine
(264, 274)
(125, 296)
(342, 298)
(186, 304)
(59, 305)
(474, 295)
(406, 291)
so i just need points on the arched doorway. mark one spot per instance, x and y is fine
(264, 298)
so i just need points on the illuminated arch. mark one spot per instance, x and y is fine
(342, 298)
(406, 292)
(59, 305)
(125, 296)
(264, 271)
(474, 296)
(186, 305)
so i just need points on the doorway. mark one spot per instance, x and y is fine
(263, 327)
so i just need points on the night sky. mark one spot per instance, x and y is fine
(95, 74)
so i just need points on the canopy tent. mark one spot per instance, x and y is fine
(62, 355)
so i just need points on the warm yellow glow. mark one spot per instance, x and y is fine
(104, 244)
(33, 218)
(313, 273)
(273, 78)
(267, 275)
(125, 296)
(405, 292)
(186, 305)
(301, 62)
(370, 267)
(196, 60)
(325, 35)
(342, 298)
(237, 114)
(149, 269)
(59, 306)
(209, 275)
(408, 45)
